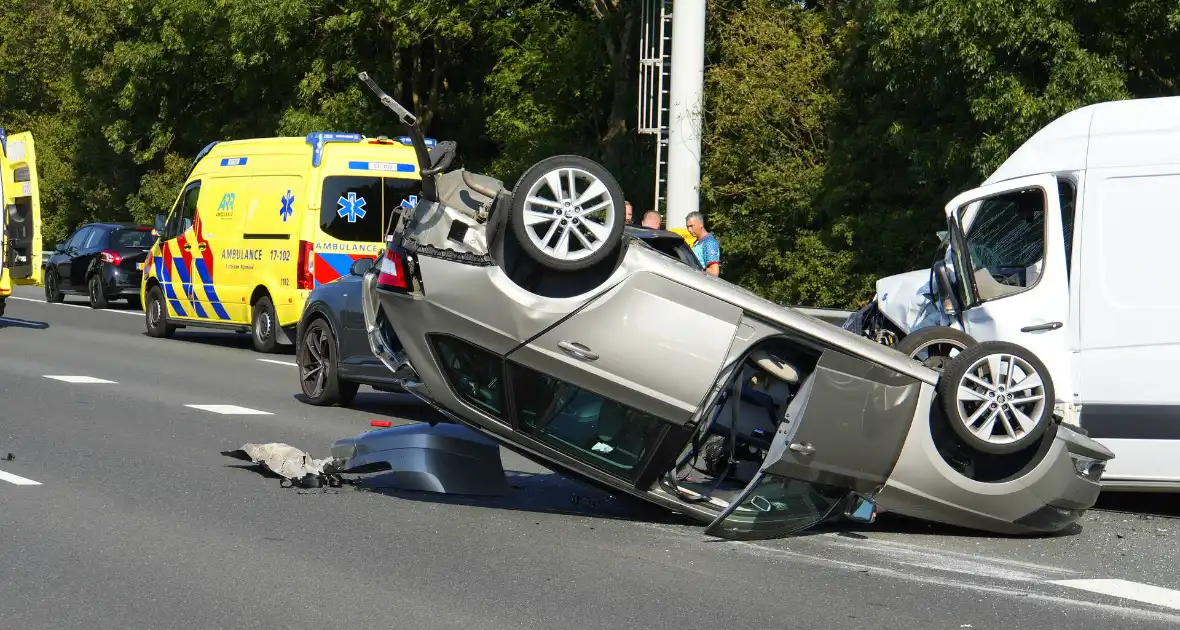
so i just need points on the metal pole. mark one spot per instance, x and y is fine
(685, 112)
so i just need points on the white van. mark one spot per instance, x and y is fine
(1071, 243)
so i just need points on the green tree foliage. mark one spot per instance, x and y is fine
(835, 130)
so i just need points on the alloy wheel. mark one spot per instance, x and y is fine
(568, 214)
(314, 368)
(1000, 398)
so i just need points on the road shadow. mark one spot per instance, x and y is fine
(226, 339)
(543, 493)
(13, 322)
(1162, 504)
(398, 408)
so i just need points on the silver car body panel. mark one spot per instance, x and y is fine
(863, 419)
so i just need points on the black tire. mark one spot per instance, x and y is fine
(319, 376)
(156, 314)
(963, 411)
(53, 293)
(264, 325)
(94, 287)
(135, 302)
(584, 257)
(2, 303)
(941, 338)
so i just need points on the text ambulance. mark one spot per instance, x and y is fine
(262, 222)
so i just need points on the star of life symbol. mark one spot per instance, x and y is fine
(288, 206)
(409, 204)
(352, 208)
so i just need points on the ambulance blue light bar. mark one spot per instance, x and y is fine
(318, 139)
(3, 142)
(406, 140)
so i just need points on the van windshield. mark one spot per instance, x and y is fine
(357, 208)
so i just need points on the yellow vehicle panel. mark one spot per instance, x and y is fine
(20, 212)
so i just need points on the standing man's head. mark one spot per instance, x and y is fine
(628, 204)
(696, 225)
(651, 219)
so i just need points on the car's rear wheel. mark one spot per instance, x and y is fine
(53, 292)
(97, 298)
(998, 397)
(935, 346)
(157, 314)
(318, 371)
(568, 213)
(264, 325)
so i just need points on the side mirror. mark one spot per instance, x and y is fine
(361, 267)
(859, 509)
(946, 289)
(158, 225)
(59, 248)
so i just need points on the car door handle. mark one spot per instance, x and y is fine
(802, 448)
(577, 350)
(1040, 327)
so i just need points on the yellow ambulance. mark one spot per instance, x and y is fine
(20, 223)
(260, 223)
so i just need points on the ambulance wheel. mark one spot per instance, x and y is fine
(53, 292)
(264, 325)
(568, 213)
(97, 298)
(318, 368)
(998, 397)
(157, 314)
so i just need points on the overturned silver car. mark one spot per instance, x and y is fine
(528, 315)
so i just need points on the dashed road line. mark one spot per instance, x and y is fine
(17, 480)
(105, 310)
(277, 362)
(231, 410)
(1134, 591)
(82, 380)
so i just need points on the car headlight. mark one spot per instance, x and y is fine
(1089, 468)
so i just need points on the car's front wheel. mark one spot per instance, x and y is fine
(998, 397)
(935, 346)
(53, 293)
(318, 375)
(157, 314)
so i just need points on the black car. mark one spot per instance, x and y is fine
(103, 261)
(332, 346)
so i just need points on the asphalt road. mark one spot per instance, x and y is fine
(136, 520)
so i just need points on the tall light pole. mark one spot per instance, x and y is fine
(685, 115)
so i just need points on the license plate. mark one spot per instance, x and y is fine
(139, 266)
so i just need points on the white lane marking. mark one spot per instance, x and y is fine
(80, 379)
(277, 362)
(231, 410)
(1134, 591)
(20, 481)
(104, 310)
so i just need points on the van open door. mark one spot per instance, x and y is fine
(21, 228)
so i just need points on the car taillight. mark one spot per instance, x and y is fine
(108, 256)
(392, 271)
(305, 277)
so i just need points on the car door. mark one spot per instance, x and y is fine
(65, 259)
(1010, 239)
(842, 432)
(603, 385)
(173, 269)
(95, 242)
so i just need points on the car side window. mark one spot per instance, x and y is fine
(95, 238)
(598, 431)
(1006, 242)
(76, 241)
(182, 218)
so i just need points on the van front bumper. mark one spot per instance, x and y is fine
(5, 283)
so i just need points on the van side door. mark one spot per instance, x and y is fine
(171, 267)
(22, 211)
(1011, 266)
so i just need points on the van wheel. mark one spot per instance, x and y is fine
(935, 346)
(157, 314)
(568, 213)
(264, 325)
(318, 370)
(998, 397)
